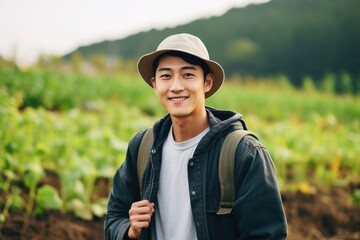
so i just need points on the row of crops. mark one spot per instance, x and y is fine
(77, 127)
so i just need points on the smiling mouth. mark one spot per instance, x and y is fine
(177, 99)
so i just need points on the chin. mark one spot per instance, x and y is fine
(178, 113)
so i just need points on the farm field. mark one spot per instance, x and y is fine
(62, 137)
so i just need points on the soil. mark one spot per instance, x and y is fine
(326, 214)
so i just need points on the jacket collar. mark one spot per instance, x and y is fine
(221, 122)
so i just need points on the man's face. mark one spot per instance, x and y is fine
(180, 86)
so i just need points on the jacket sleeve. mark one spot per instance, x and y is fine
(258, 206)
(125, 191)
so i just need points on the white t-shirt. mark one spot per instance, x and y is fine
(173, 214)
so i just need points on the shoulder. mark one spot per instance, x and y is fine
(250, 142)
(243, 141)
(250, 151)
(253, 161)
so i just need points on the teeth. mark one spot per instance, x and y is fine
(178, 98)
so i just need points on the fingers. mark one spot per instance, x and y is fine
(142, 206)
(141, 212)
(140, 215)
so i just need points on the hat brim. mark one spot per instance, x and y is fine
(145, 69)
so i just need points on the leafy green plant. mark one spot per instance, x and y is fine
(11, 200)
(33, 175)
(356, 197)
(47, 198)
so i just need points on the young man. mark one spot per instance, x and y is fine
(180, 190)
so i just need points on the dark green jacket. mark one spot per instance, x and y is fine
(258, 211)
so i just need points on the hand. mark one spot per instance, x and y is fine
(140, 215)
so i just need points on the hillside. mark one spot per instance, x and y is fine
(292, 37)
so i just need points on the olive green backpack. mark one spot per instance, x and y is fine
(225, 171)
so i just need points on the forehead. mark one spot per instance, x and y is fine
(173, 62)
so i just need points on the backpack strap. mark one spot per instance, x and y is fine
(143, 154)
(226, 169)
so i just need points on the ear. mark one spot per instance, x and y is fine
(209, 79)
(153, 82)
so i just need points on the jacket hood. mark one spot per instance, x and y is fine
(221, 120)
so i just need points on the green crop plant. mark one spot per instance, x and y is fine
(11, 200)
(32, 176)
(356, 197)
(47, 198)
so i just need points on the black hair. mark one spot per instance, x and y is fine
(186, 57)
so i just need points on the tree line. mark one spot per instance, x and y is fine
(296, 38)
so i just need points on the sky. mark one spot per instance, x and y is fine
(56, 27)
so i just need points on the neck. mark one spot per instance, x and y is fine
(189, 127)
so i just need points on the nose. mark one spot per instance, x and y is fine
(176, 84)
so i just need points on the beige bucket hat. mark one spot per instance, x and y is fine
(186, 43)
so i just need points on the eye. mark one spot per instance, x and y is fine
(165, 76)
(188, 75)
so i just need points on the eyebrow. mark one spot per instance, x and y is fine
(182, 68)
